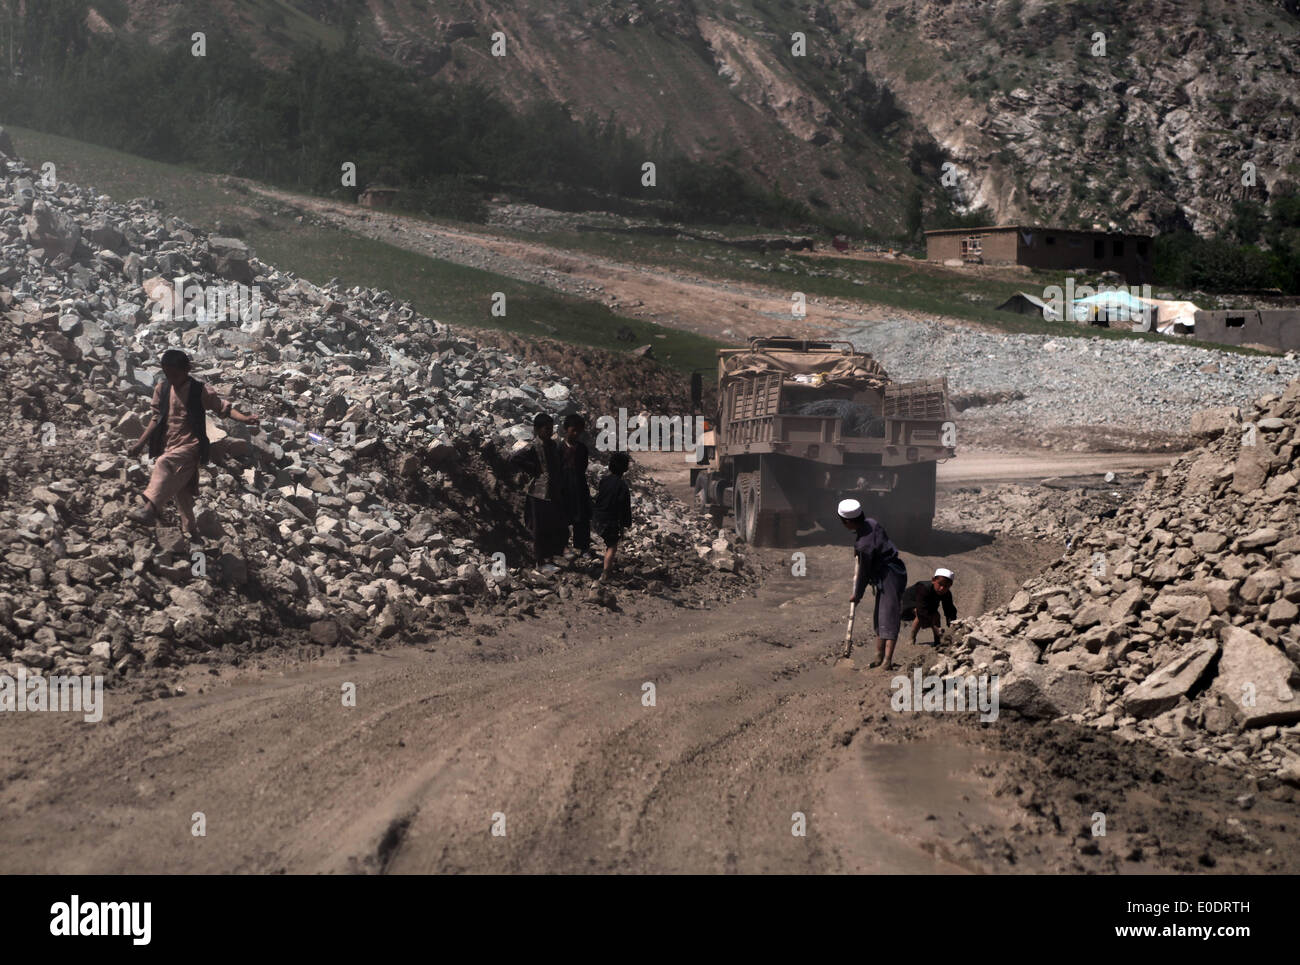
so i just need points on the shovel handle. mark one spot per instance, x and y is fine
(853, 608)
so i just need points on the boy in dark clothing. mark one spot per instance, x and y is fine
(577, 497)
(544, 505)
(613, 510)
(879, 564)
(921, 603)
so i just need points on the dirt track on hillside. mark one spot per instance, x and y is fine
(725, 310)
(990, 467)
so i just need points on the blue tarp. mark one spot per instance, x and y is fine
(1119, 304)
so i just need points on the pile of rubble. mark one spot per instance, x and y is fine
(374, 502)
(1079, 393)
(1052, 510)
(1177, 620)
(610, 380)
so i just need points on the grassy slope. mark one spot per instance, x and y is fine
(915, 286)
(442, 290)
(462, 296)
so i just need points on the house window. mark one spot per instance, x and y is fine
(1142, 249)
(1235, 321)
(1099, 248)
(1051, 239)
(1076, 242)
(1117, 248)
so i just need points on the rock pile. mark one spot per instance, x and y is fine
(1055, 510)
(609, 380)
(374, 503)
(1083, 393)
(1178, 620)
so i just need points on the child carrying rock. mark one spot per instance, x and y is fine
(544, 507)
(177, 438)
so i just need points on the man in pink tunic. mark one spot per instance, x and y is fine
(178, 440)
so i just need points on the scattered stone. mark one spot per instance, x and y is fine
(1180, 606)
(372, 503)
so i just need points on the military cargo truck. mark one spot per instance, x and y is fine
(802, 424)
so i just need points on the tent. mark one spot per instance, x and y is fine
(1175, 318)
(1112, 306)
(1023, 303)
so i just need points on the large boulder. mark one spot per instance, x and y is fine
(1204, 473)
(103, 234)
(1036, 690)
(1252, 466)
(1161, 691)
(229, 258)
(24, 194)
(1257, 680)
(51, 229)
(1181, 608)
(1209, 423)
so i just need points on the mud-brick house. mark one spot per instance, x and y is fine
(1275, 329)
(1055, 249)
(377, 197)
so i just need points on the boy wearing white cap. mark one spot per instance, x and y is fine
(922, 601)
(880, 565)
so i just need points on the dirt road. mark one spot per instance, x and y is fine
(973, 466)
(694, 303)
(542, 725)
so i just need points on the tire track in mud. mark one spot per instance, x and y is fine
(751, 724)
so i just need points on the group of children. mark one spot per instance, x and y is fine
(558, 501)
(558, 507)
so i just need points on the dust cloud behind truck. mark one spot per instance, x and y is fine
(802, 424)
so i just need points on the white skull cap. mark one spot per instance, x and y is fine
(850, 508)
(944, 572)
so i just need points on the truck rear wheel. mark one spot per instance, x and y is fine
(745, 508)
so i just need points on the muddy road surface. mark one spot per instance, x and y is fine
(993, 467)
(544, 730)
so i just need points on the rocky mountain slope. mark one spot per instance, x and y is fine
(1148, 126)
(1144, 114)
(373, 504)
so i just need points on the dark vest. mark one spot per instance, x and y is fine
(198, 421)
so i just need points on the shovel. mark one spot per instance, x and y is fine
(846, 661)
